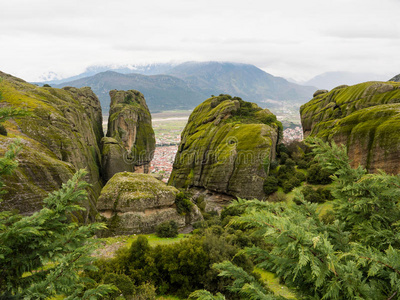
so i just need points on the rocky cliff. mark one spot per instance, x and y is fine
(130, 142)
(365, 117)
(137, 203)
(226, 148)
(61, 135)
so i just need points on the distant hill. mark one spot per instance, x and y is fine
(330, 80)
(149, 69)
(186, 85)
(162, 92)
(243, 80)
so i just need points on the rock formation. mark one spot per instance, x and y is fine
(130, 143)
(61, 135)
(365, 117)
(137, 203)
(226, 148)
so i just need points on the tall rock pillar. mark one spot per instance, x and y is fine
(130, 142)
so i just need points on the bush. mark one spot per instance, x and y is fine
(46, 85)
(302, 164)
(3, 130)
(300, 176)
(167, 229)
(200, 202)
(128, 99)
(145, 291)
(277, 197)
(183, 204)
(270, 185)
(290, 184)
(318, 175)
(122, 282)
(284, 157)
(282, 149)
(318, 195)
(274, 164)
(290, 164)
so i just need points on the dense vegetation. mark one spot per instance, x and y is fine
(351, 252)
(354, 256)
(294, 166)
(179, 268)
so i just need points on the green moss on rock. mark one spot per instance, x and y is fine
(139, 202)
(130, 126)
(365, 117)
(224, 145)
(61, 135)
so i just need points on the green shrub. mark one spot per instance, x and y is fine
(270, 185)
(318, 195)
(290, 184)
(290, 164)
(3, 130)
(128, 99)
(302, 164)
(300, 176)
(183, 204)
(273, 165)
(145, 291)
(284, 156)
(277, 197)
(200, 202)
(318, 175)
(122, 282)
(167, 229)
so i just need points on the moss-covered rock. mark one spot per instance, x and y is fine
(365, 117)
(226, 147)
(61, 135)
(137, 203)
(130, 141)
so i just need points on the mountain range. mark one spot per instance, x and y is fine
(184, 86)
(330, 80)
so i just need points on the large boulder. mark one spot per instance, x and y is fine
(130, 142)
(137, 203)
(365, 117)
(226, 147)
(61, 135)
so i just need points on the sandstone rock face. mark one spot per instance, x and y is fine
(130, 142)
(61, 136)
(365, 117)
(137, 203)
(226, 148)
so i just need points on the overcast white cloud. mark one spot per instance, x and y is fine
(297, 39)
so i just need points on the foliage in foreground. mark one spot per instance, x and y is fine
(42, 255)
(178, 268)
(354, 257)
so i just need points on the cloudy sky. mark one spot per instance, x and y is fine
(289, 38)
